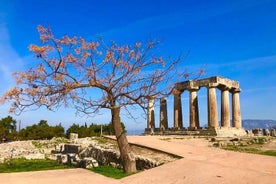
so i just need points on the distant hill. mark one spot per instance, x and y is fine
(258, 123)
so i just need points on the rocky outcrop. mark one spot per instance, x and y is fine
(112, 157)
(102, 155)
(84, 152)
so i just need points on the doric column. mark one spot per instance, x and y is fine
(177, 112)
(150, 115)
(236, 111)
(225, 109)
(194, 119)
(163, 114)
(212, 107)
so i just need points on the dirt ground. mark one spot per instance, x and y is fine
(201, 163)
(149, 153)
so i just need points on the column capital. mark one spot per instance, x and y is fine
(224, 88)
(151, 97)
(212, 85)
(176, 91)
(163, 100)
(235, 90)
(194, 88)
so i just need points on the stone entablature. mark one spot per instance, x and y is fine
(216, 81)
(225, 85)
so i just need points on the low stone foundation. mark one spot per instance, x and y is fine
(230, 132)
(76, 154)
(218, 132)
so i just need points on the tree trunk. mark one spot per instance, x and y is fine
(127, 156)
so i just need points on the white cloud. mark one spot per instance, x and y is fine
(9, 60)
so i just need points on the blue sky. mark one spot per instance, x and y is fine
(235, 39)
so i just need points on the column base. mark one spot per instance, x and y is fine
(177, 128)
(194, 128)
(230, 132)
(150, 130)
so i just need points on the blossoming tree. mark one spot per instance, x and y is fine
(72, 70)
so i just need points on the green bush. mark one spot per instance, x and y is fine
(92, 130)
(8, 129)
(41, 131)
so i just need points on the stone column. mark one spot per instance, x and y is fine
(212, 107)
(163, 114)
(194, 119)
(225, 109)
(150, 115)
(236, 111)
(177, 113)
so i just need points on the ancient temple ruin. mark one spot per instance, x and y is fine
(215, 126)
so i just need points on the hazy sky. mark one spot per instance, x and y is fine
(234, 39)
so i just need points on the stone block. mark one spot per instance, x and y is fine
(71, 148)
(273, 133)
(88, 163)
(73, 137)
(266, 132)
(257, 131)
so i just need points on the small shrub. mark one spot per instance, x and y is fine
(213, 139)
(216, 144)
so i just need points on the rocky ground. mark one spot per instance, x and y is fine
(107, 148)
(201, 163)
(261, 143)
(41, 149)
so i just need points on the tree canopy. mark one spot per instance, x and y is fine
(7, 128)
(90, 75)
(71, 67)
(40, 131)
(92, 130)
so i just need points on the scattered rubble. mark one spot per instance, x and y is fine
(250, 142)
(82, 152)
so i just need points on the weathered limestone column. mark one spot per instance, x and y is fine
(194, 119)
(150, 115)
(236, 110)
(225, 109)
(163, 114)
(212, 107)
(177, 113)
